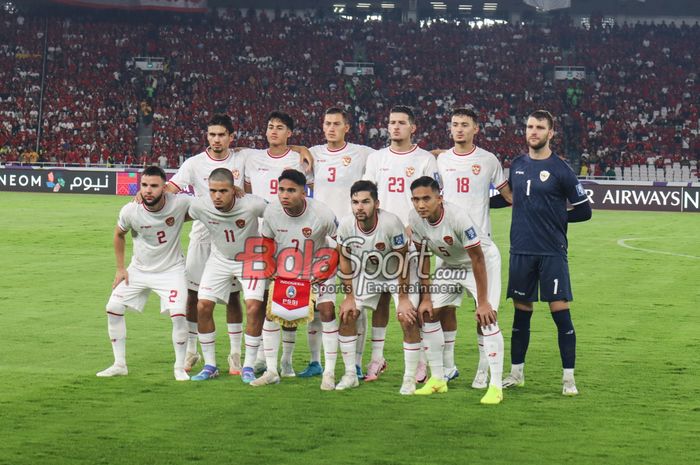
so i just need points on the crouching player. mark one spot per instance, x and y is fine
(450, 234)
(157, 265)
(230, 222)
(372, 247)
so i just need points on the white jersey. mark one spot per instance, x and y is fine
(467, 179)
(262, 170)
(229, 230)
(335, 171)
(305, 232)
(156, 234)
(195, 172)
(449, 237)
(387, 235)
(393, 172)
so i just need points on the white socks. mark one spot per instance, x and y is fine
(448, 353)
(378, 335)
(289, 339)
(192, 336)
(483, 359)
(314, 337)
(116, 328)
(252, 344)
(235, 334)
(493, 347)
(434, 340)
(271, 343)
(330, 345)
(411, 354)
(179, 339)
(208, 343)
(347, 348)
(361, 337)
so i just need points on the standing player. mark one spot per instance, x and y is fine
(450, 234)
(337, 165)
(230, 222)
(542, 184)
(300, 224)
(157, 265)
(467, 174)
(262, 170)
(372, 247)
(393, 169)
(194, 172)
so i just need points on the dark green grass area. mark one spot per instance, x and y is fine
(635, 313)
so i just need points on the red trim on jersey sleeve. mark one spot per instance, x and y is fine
(502, 185)
(472, 246)
(174, 184)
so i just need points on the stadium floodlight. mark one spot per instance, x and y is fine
(9, 7)
(465, 8)
(338, 8)
(364, 5)
(490, 6)
(388, 6)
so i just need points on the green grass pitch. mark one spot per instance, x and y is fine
(635, 312)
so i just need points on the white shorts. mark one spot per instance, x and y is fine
(171, 287)
(368, 292)
(197, 256)
(449, 283)
(326, 291)
(217, 281)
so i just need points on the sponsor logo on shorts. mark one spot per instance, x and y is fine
(170, 221)
(240, 223)
(306, 232)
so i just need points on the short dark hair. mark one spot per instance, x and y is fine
(297, 177)
(222, 175)
(221, 120)
(365, 186)
(543, 114)
(466, 112)
(154, 170)
(282, 116)
(338, 111)
(406, 110)
(426, 181)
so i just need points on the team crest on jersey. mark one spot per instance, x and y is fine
(409, 171)
(240, 223)
(448, 240)
(380, 246)
(476, 169)
(236, 174)
(346, 161)
(170, 221)
(306, 232)
(291, 292)
(544, 175)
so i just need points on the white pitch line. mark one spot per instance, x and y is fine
(621, 242)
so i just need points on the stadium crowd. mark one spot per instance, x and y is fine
(636, 102)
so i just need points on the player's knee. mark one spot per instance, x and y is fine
(205, 307)
(115, 309)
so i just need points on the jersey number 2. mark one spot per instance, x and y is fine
(396, 184)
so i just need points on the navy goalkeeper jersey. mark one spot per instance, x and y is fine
(541, 189)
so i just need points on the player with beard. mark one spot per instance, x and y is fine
(194, 173)
(542, 184)
(393, 169)
(230, 222)
(156, 265)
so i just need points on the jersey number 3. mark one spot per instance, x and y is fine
(396, 184)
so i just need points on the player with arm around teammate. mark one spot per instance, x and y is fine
(157, 265)
(542, 184)
(449, 233)
(231, 222)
